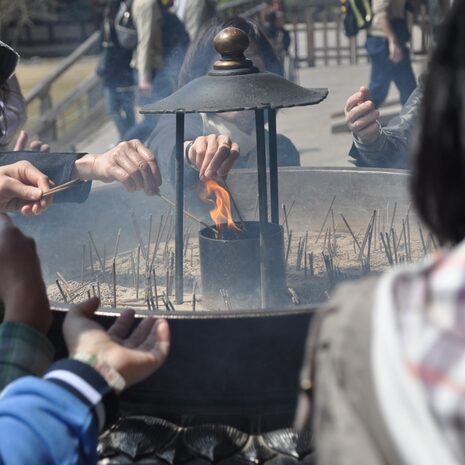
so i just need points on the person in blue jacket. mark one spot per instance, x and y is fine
(55, 420)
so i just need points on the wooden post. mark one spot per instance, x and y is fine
(325, 36)
(295, 30)
(338, 39)
(310, 37)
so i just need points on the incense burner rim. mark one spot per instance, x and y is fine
(198, 315)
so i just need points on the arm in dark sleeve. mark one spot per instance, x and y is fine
(391, 149)
(57, 166)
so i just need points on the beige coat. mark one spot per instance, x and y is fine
(394, 9)
(148, 55)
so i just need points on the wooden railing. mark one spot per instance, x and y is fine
(318, 37)
(57, 121)
(239, 7)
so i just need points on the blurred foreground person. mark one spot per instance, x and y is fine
(213, 140)
(377, 146)
(385, 361)
(56, 419)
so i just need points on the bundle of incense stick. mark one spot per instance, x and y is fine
(62, 187)
(192, 217)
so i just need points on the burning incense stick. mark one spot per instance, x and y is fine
(62, 187)
(155, 289)
(286, 223)
(350, 231)
(192, 217)
(61, 291)
(393, 216)
(114, 282)
(422, 239)
(148, 245)
(137, 272)
(117, 243)
(83, 262)
(102, 267)
(326, 218)
(139, 235)
(234, 204)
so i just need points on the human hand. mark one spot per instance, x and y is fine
(145, 88)
(22, 288)
(395, 52)
(130, 163)
(362, 116)
(36, 145)
(134, 354)
(213, 156)
(21, 188)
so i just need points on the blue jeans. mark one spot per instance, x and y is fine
(383, 71)
(120, 106)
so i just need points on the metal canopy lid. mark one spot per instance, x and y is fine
(235, 84)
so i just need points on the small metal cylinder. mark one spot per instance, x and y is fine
(230, 265)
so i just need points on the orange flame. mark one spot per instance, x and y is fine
(222, 211)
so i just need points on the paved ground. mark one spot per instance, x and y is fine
(308, 127)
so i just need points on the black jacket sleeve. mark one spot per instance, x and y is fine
(57, 166)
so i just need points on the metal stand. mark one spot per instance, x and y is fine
(274, 189)
(262, 201)
(179, 221)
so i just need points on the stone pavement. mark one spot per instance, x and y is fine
(308, 127)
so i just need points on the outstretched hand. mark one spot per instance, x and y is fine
(135, 354)
(362, 116)
(36, 145)
(130, 163)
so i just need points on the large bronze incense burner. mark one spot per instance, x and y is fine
(227, 366)
(228, 390)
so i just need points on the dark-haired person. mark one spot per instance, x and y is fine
(218, 138)
(56, 419)
(387, 358)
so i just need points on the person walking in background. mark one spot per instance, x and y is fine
(387, 46)
(194, 14)
(175, 44)
(148, 55)
(116, 74)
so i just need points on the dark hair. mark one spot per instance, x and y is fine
(201, 53)
(438, 181)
